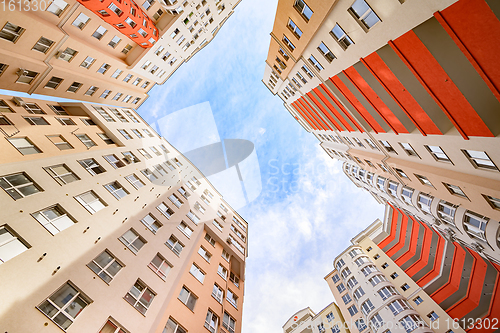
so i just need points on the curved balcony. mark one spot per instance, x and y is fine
(127, 18)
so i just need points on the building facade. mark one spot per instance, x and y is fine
(306, 321)
(102, 51)
(401, 275)
(406, 93)
(107, 228)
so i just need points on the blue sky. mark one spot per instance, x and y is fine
(308, 210)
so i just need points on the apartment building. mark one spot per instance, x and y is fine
(102, 51)
(107, 228)
(401, 275)
(306, 321)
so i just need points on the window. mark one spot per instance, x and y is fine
(376, 322)
(351, 283)
(116, 190)
(475, 225)
(211, 321)
(186, 230)
(346, 298)
(132, 240)
(175, 200)
(116, 74)
(149, 175)
(53, 83)
(91, 202)
(358, 293)
(204, 253)
(104, 68)
(81, 21)
(144, 153)
(173, 327)
(130, 157)
(345, 273)
(188, 298)
(92, 166)
(91, 91)
(116, 9)
(4, 107)
(335, 278)
(369, 269)
(394, 275)
(424, 202)
(114, 161)
(197, 273)
(360, 325)
(288, 43)
(406, 194)
(60, 142)
(5, 121)
(99, 32)
(26, 76)
(125, 134)
(405, 287)
(433, 316)
(54, 219)
(376, 256)
(160, 266)
(438, 153)
(399, 306)
(222, 271)
(308, 72)
(401, 173)
(68, 54)
(105, 94)
(232, 298)
(228, 322)
(303, 9)
(341, 37)
(294, 28)
(174, 245)
(411, 323)
(423, 180)
(104, 137)
(43, 45)
(455, 190)
(61, 174)
(73, 88)
(355, 252)
(446, 211)
(387, 292)
(494, 202)
(10, 244)
(140, 296)
(340, 264)
(418, 300)
(325, 51)
(367, 307)
(64, 305)
(377, 279)
(385, 265)
(388, 146)
(84, 138)
(362, 12)
(480, 159)
(106, 266)
(11, 32)
(352, 310)
(19, 185)
(112, 327)
(218, 293)
(151, 222)
(135, 181)
(57, 7)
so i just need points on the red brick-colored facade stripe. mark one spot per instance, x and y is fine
(319, 106)
(371, 96)
(332, 109)
(357, 104)
(474, 289)
(438, 259)
(437, 83)
(494, 313)
(316, 114)
(296, 107)
(341, 107)
(455, 276)
(424, 255)
(480, 45)
(399, 94)
(306, 111)
(413, 244)
(402, 237)
(308, 116)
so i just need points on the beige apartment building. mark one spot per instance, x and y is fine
(107, 228)
(110, 52)
(329, 319)
(401, 275)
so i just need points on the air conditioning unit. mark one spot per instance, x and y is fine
(229, 241)
(129, 159)
(18, 101)
(21, 72)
